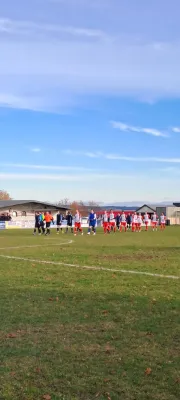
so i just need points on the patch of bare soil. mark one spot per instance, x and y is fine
(129, 257)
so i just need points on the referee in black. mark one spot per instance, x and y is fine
(59, 221)
(37, 223)
(69, 220)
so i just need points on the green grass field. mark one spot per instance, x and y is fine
(71, 333)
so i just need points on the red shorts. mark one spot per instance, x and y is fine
(154, 223)
(113, 224)
(77, 225)
(105, 225)
(146, 222)
(123, 224)
(139, 224)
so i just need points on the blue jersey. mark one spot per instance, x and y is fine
(92, 217)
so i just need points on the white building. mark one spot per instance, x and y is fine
(23, 210)
(172, 212)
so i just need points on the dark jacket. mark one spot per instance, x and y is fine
(37, 219)
(69, 219)
(118, 219)
(58, 219)
(128, 219)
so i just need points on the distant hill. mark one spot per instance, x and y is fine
(134, 204)
(119, 207)
(129, 205)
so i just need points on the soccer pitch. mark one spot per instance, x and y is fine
(90, 317)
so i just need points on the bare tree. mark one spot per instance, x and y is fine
(64, 202)
(93, 205)
(79, 205)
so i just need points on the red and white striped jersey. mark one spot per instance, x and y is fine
(77, 217)
(146, 217)
(162, 219)
(134, 218)
(139, 219)
(123, 217)
(154, 218)
(111, 217)
(105, 217)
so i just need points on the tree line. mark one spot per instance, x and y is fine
(4, 195)
(79, 205)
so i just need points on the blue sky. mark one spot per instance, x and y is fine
(90, 100)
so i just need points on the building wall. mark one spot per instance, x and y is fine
(23, 214)
(145, 209)
(171, 212)
(160, 210)
(175, 221)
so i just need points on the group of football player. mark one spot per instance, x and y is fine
(133, 222)
(112, 223)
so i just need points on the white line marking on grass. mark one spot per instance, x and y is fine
(124, 271)
(51, 239)
(37, 245)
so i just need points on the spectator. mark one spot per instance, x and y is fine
(4, 217)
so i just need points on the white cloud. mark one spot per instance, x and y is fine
(70, 152)
(91, 33)
(46, 167)
(111, 156)
(63, 177)
(30, 28)
(22, 102)
(129, 128)
(143, 159)
(36, 150)
(176, 129)
(47, 74)
(79, 48)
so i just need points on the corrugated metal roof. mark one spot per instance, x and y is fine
(13, 203)
(151, 207)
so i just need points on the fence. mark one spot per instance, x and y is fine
(29, 224)
(2, 225)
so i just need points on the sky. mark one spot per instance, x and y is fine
(90, 100)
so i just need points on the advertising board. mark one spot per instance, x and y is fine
(2, 225)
